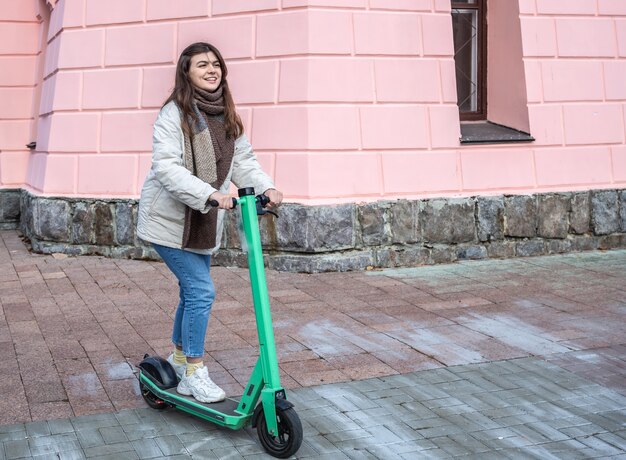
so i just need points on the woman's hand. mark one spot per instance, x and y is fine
(225, 201)
(275, 196)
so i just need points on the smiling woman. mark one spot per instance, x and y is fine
(198, 147)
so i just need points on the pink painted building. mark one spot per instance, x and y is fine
(345, 101)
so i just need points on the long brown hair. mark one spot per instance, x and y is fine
(183, 91)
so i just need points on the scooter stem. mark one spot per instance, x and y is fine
(260, 297)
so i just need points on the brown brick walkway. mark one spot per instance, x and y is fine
(72, 328)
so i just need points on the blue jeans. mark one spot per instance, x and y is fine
(196, 297)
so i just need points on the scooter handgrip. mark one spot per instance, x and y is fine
(215, 204)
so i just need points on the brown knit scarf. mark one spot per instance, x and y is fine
(208, 155)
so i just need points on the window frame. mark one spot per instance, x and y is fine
(481, 7)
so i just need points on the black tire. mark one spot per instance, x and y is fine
(289, 436)
(151, 399)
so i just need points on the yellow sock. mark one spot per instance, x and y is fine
(191, 367)
(179, 357)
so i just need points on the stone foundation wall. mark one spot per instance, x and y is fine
(399, 233)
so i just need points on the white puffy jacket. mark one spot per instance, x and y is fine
(170, 186)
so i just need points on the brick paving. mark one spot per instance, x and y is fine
(522, 358)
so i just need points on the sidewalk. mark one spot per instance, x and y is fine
(522, 358)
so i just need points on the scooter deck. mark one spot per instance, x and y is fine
(226, 407)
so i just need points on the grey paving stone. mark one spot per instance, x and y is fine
(13, 436)
(146, 448)
(588, 429)
(54, 439)
(320, 444)
(402, 431)
(614, 440)
(60, 426)
(72, 455)
(203, 440)
(170, 445)
(16, 449)
(118, 456)
(434, 454)
(571, 448)
(223, 453)
(55, 448)
(89, 422)
(12, 428)
(529, 453)
(113, 434)
(600, 446)
(90, 437)
(119, 450)
(383, 452)
(127, 417)
(34, 429)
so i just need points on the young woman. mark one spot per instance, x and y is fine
(198, 147)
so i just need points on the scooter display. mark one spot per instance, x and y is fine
(278, 426)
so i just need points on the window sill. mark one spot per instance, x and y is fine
(491, 133)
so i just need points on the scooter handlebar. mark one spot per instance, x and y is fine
(262, 201)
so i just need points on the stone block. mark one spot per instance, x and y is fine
(52, 219)
(27, 204)
(404, 221)
(373, 218)
(82, 223)
(490, 218)
(622, 210)
(313, 228)
(473, 252)
(501, 249)
(448, 220)
(442, 254)
(321, 262)
(580, 213)
(604, 212)
(614, 241)
(585, 243)
(528, 248)
(520, 216)
(230, 258)
(125, 213)
(552, 213)
(10, 205)
(103, 224)
(559, 246)
(402, 256)
(230, 237)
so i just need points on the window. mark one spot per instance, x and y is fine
(505, 118)
(470, 57)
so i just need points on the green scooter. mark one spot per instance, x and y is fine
(277, 423)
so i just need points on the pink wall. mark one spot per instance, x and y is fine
(344, 100)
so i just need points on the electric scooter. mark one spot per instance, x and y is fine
(277, 423)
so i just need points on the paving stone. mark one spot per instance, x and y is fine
(146, 448)
(112, 435)
(16, 449)
(170, 445)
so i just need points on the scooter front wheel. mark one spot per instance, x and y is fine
(289, 436)
(151, 399)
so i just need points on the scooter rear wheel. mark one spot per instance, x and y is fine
(289, 436)
(151, 399)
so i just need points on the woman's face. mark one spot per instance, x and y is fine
(205, 71)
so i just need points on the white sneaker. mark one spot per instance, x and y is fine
(201, 387)
(178, 368)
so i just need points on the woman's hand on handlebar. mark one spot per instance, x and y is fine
(224, 201)
(275, 196)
